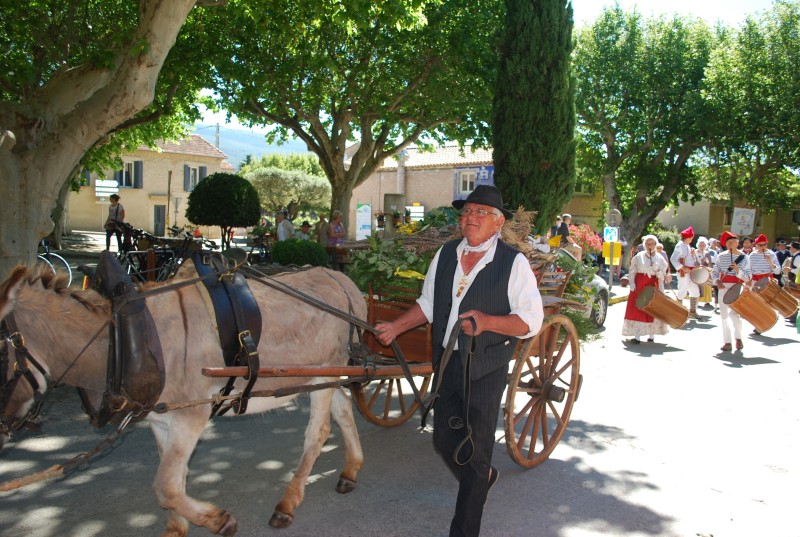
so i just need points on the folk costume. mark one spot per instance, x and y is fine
(763, 264)
(647, 269)
(684, 259)
(500, 284)
(731, 268)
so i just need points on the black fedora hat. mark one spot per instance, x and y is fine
(485, 195)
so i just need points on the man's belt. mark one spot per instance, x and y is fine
(757, 277)
(731, 279)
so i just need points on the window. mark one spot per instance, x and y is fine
(466, 182)
(584, 188)
(131, 175)
(126, 179)
(192, 178)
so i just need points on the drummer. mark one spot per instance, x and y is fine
(647, 269)
(763, 261)
(684, 259)
(706, 257)
(730, 268)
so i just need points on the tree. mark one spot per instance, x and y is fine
(278, 188)
(642, 114)
(753, 90)
(534, 109)
(72, 73)
(303, 162)
(385, 73)
(225, 200)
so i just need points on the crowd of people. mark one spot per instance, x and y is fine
(709, 269)
(328, 234)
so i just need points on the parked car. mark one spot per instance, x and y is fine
(597, 308)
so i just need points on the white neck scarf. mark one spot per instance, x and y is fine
(482, 247)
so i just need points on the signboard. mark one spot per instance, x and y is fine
(743, 220)
(613, 218)
(617, 252)
(416, 212)
(611, 234)
(363, 221)
(105, 187)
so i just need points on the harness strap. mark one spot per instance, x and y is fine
(456, 422)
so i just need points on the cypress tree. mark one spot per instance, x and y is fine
(534, 109)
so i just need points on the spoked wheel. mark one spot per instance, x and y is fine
(388, 401)
(542, 388)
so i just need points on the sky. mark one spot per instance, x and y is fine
(730, 12)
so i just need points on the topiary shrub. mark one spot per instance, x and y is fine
(297, 252)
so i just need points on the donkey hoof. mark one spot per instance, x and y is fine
(230, 527)
(281, 520)
(345, 485)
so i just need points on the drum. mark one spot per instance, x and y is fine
(655, 303)
(751, 307)
(769, 290)
(793, 289)
(700, 275)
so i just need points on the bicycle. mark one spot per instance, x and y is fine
(53, 261)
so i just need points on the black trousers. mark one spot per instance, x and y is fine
(484, 408)
(116, 232)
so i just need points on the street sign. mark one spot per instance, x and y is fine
(617, 251)
(106, 187)
(611, 234)
(613, 218)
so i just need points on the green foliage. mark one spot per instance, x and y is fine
(669, 238)
(277, 188)
(534, 109)
(446, 215)
(383, 260)
(297, 252)
(302, 162)
(225, 200)
(385, 73)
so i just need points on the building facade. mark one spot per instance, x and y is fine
(154, 187)
(430, 179)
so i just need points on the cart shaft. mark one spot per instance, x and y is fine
(319, 371)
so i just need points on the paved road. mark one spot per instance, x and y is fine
(675, 440)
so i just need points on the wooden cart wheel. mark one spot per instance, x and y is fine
(542, 388)
(389, 401)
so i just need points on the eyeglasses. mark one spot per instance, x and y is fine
(480, 213)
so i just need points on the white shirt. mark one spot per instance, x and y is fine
(285, 230)
(685, 252)
(523, 292)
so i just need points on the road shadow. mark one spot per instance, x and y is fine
(737, 359)
(647, 349)
(769, 341)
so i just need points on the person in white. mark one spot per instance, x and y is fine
(684, 259)
(648, 269)
(285, 227)
(730, 268)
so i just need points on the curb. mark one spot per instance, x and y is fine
(618, 299)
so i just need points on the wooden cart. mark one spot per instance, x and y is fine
(543, 384)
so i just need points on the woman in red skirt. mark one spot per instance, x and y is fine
(648, 269)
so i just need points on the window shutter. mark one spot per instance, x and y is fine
(186, 177)
(203, 172)
(87, 178)
(118, 177)
(138, 173)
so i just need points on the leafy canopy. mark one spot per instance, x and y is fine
(225, 200)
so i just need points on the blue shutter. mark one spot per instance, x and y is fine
(138, 173)
(186, 177)
(203, 172)
(118, 177)
(87, 178)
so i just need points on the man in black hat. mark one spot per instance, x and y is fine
(480, 278)
(791, 270)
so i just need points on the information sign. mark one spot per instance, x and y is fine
(611, 234)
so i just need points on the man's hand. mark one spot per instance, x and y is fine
(386, 333)
(480, 322)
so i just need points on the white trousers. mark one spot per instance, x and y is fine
(725, 313)
(687, 286)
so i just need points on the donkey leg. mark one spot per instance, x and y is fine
(317, 432)
(342, 409)
(177, 436)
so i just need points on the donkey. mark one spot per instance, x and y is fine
(57, 322)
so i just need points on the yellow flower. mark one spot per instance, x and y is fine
(409, 274)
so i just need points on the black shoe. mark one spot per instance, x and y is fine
(634, 341)
(651, 340)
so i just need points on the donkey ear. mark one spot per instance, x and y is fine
(9, 290)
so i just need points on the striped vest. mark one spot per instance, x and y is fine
(488, 294)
